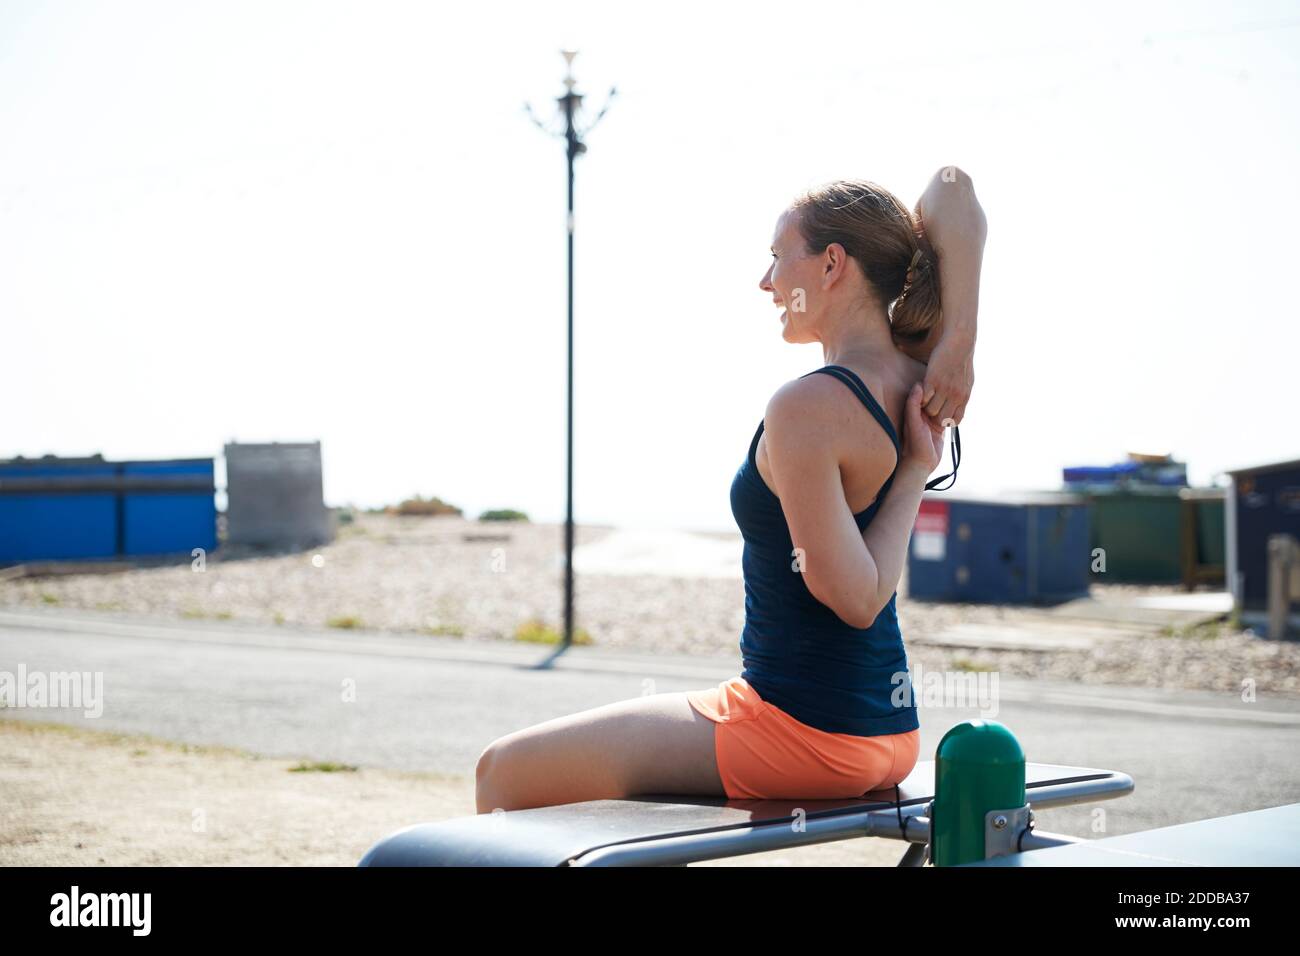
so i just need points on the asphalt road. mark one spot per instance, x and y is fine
(432, 704)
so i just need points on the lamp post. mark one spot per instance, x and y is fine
(570, 103)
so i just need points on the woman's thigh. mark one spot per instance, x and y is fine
(657, 743)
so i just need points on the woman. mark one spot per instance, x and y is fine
(825, 501)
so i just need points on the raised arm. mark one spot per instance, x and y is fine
(955, 225)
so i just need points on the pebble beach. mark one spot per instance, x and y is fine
(459, 579)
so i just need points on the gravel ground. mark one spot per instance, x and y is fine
(422, 574)
(75, 797)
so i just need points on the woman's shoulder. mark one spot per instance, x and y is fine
(816, 406)
(813, 398)
(806, 399)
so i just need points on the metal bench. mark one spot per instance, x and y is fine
(664, 830)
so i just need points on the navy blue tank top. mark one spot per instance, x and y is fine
(798, 654)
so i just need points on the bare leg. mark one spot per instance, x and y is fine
(652, 744)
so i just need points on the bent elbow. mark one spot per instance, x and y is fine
(843, 601)
(867, 615)
(981, 222)
(860, 612)
(853, 601)
(856, 616)
(955, 174)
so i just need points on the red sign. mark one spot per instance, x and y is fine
(930, 533)
(932, 516)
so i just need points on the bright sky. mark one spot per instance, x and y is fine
(299, 221)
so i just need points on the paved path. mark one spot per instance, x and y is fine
(433, 703)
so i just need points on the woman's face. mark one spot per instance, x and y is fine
(794, 281)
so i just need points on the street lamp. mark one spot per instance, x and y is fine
(570, 104)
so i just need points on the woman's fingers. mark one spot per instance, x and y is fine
(915, 419)
(934, 408)
(913, 401)
(944, 409)
(922, 428)
(947, 416)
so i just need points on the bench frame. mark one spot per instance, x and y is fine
(670, 830)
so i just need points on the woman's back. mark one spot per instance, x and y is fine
(798, 654)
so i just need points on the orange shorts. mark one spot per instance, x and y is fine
(764, 753)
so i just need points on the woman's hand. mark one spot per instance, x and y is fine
(949, 378)
(922, 437)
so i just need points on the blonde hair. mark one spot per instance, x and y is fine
(887, 242)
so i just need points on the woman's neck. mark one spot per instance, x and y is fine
(863, 337)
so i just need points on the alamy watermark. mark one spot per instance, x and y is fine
(948, 689)
(82, 690)
(76, 908)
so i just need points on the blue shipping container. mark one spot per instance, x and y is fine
(50, 509)
(1013, 549)
(164, 521)
(55, 509)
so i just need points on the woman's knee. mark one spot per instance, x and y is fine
(509, 769)
(486, 773)
(481, 767)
